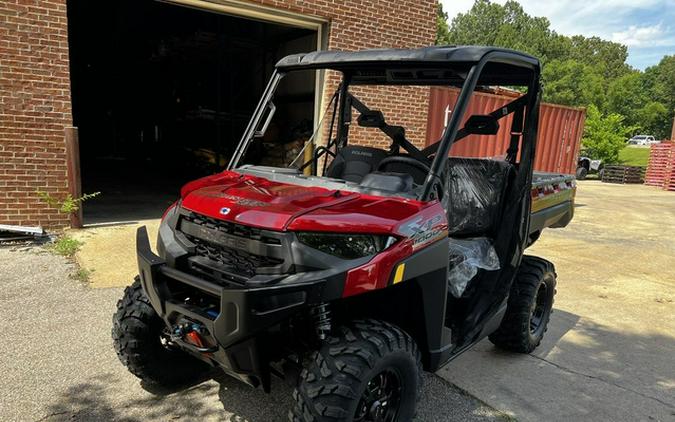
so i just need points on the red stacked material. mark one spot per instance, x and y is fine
(669, 182)
(661, 169)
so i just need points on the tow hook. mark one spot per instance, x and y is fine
(189, 335)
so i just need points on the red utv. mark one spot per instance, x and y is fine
(354, 268)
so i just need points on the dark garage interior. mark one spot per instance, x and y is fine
(161, 95)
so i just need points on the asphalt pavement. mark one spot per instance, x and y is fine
(58, 364)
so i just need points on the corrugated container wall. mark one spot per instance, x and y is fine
(560, 130)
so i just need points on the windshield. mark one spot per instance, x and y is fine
(294, 132)
(373, 135)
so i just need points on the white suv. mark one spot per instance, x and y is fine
(642, 140)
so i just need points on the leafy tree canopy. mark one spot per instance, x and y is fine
(442, 29)
(604, 135)
(577, 71)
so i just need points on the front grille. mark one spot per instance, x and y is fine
(240, 262)
(230, 228)
(220, 249)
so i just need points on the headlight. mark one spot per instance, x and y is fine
(347, 246)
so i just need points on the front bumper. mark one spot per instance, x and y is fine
(242, 312)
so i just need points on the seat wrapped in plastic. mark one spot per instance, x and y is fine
(473, 194)
(466, 257)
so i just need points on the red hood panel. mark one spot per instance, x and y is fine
(259, 202)
(365, 214)
(255, 201)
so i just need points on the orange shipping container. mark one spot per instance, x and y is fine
(560, 130)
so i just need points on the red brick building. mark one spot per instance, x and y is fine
(138, 77)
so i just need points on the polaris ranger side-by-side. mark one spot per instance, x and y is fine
(354, 268)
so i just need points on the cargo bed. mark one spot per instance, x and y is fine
(552, 201)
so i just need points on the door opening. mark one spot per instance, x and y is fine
(161, 95)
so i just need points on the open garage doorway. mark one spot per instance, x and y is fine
(161, 94)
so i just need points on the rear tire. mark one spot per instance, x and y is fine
(371, 368)
(137, 336)
(582, 172)
(529, 307)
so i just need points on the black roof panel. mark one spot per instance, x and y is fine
(432, 56)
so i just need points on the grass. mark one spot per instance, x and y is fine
(82, 275)
(66, 246)
(632, 156)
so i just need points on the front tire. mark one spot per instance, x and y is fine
(371, 371)
(138, 334)
(529, 307)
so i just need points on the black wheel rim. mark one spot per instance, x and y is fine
(381, 398)
(539, 309)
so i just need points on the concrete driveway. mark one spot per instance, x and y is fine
(609, 354)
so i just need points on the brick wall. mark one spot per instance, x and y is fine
(35, 89)
(34, 109)
(357, 25)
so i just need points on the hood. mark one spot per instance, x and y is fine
(259, 202)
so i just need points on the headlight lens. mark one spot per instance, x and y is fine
(347, 246)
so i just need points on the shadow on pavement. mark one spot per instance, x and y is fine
(584, 368)
(619, 357)
(641, 364)
(94, 401)
(100, 399)
(582, 371)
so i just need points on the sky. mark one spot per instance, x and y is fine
(647, 27)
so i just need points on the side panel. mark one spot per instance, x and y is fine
(408, 285)
(414, 299)
(429, 270)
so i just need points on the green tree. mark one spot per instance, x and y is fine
(571, 83)
(609, 58)
(663, 88)
(655, 119)
(442, 30)
(577, 70)
(488, 23)
(625, 95)
(635, 96)
(478, 26)
(604, 135)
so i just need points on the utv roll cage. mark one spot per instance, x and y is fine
(465, 67)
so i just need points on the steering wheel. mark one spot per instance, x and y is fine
(403, 159)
